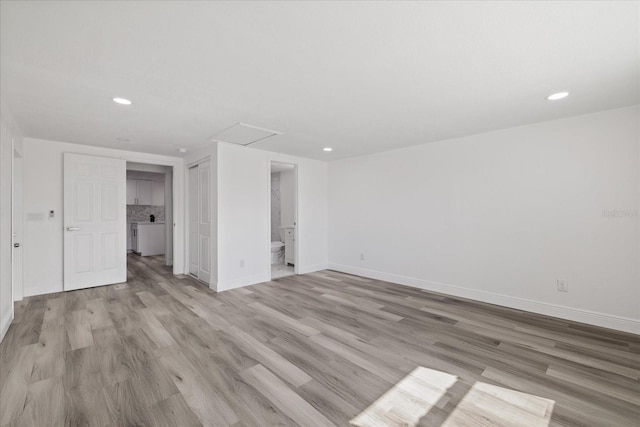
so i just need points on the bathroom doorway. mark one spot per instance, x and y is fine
(283, 219)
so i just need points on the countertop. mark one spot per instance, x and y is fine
(145, 222)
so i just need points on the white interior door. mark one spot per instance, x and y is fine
(204, 221)
(194, 256)
(95, 221)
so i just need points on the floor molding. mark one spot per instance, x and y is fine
(569, 313)
(5, 324)
(240, 282)
(304, 269)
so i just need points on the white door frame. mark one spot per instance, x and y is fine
(296, 249)
(16, 215)
(168, 217)
(12, 218)
(177, 165)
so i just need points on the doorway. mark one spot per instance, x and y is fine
(283, 219)
(150, 211)
(97, 231)
(199, 220)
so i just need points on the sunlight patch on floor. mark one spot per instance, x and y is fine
(487, 404)
(483, 405)
(407, 401)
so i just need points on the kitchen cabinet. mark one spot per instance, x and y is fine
(129, 237)
(132, 191)
(134, 237)
(148, 238)
(144, 192)
(157, 193)
(139, 192)
(289, 246)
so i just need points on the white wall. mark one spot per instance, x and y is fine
(43, 191)
(287, 197)
(10, 138)
(243, 214)
(500, 216)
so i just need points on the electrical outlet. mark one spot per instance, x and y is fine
(241, 263)
(563, 285)
(361, 257)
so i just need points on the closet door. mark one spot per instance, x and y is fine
(204, 221)
(194, 202)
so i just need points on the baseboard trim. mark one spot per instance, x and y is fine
(5, 324)
(619, 323)
(312, 268)
(260, 278)
(240, 282)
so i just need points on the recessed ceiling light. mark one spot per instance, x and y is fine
(556, 96)
(122, 101)
(327, 149)
(182, 150)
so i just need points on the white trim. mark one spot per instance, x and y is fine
(312, 268)
(12, 225)
(624, 324)
(5, 324)
(241, 282)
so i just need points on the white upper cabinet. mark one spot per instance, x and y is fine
(157, 193)
(144, 192)
(132, 191)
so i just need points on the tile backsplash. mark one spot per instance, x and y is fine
(142, 212)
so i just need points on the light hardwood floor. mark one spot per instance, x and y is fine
(313, 350)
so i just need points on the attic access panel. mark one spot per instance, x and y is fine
(244, 134)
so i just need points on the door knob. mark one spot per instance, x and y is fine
(16, 245)
(73, 228)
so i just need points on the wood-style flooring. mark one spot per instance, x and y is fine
(319, 349)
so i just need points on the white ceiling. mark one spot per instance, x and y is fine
(360, 77)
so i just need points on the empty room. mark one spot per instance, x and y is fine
(319, 213)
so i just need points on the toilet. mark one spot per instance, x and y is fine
(277, 249)
(277, 253)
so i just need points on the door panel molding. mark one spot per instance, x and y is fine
(94, 221)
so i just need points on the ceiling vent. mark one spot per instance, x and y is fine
(244, 134)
